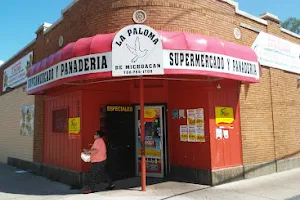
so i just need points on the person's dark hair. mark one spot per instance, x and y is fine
(100, 133)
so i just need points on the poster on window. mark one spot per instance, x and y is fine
(153, 154)
(27, 120)
(153, 140)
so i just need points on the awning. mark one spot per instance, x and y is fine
(191, 54)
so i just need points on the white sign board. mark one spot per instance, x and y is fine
(137, 50)
(210, 62)
(15, 74)
(93, 63)
(278, 53)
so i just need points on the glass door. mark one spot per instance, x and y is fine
(154, 140)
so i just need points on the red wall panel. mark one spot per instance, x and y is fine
(187, 95)
(213, 154)
(225, 152)
(59, 149)
(155, 91)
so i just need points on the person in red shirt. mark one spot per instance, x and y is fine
(98, 162)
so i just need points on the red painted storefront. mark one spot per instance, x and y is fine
(85, 95)
(61, 151)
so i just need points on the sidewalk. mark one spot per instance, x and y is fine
(25, 186)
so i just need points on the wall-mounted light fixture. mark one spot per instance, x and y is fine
(219, 85)
(298, 82)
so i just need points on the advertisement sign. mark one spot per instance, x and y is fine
(183, 133)
(27, 120)
(195, 117)
(152, 153)
(153, 140)
(191, 114)
(119, 108)
(192, 133)
(15, 74)
(137, 50)
(150, 114)
(200, 137)
(224, 116)
(94, 63)
(278, 53)
(74, 125)
(210, 62)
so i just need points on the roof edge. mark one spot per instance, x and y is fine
(290, 32)
(243, 13)
(270, 16)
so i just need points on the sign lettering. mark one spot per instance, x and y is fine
(137, 50)
(277, 53)
(15, 74)
(119, 109)
(73, 67)
(190, 60)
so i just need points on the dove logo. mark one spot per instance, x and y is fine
(137, 50)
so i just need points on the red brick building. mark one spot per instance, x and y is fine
(260, 140)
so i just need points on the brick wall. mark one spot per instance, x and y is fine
(12, 144)
(285, 96)
(90, 17)
(269, 114)
(39, 129)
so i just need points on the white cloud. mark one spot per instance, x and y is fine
(1, 62)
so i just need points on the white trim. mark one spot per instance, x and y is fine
(243, 13)
(290, 32)
(252, 17)
(47, 25)
(20, 51)
(69, 6)
(43, 27)
(53, 25)
(252, 28)
(270, 15)
(258, 19)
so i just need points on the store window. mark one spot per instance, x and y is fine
(60, 120)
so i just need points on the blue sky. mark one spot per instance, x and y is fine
(19, 19)
(283, 9)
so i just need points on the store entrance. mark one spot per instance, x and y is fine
(155, 141)
(120, 142)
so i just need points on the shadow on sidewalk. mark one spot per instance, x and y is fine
(16, 181)
(294, 198)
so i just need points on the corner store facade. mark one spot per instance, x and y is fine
(263, 141)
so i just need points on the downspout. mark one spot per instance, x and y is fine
(273, 125)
